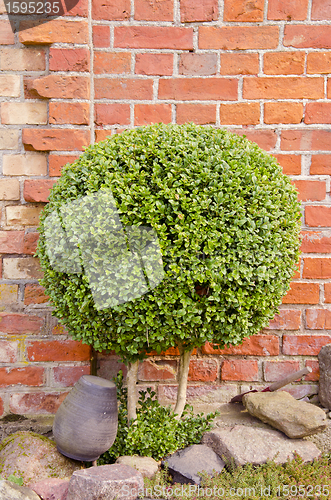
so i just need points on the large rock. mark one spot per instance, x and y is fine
(244, 445)
(106, 482)
(34, 458)
(52, 489)
(282, 411)
(11, 491)
(147, 466)
(185, 465)
(324, 361)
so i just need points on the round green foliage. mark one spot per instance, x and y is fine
(228, 225)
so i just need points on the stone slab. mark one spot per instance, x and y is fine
(52, 489)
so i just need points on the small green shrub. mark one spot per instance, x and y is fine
(155, 433)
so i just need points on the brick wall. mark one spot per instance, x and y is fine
(259, 68)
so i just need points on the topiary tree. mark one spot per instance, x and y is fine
(227, 222)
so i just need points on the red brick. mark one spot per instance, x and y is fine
(29, 91)
(154, 10)
(315, 242)
(197, 64)
(101, 135)
(74, 113)
(318, 112)
(197, 10)
(284, 63)
(302, 293)
(239, 64)
(318, 62)
(112, 62)
(67, 376)
(310, 190)
(109, 366)
(6, 33)
(154, 64)
(240, 369)
(283, 88)
(58, 350)
(315, 374)
(201, 114)
(20, 323)
(327, 293)
(59, 330)
(203, 370)
(306, 140)
(8, 351)
(55, 139)
(35, 294)
(318, 319)
(111, 114)
(157, 370)
(55, 31)
(287, 319)
(243, 10)
(315, 268)
(321, 10)
(305, 36)
(37, 190)
(123, 88)
(265, 139)
(63, 86)
(256, 345)
(295, 10)
(304, 345)
(30, 243)
(276, 370)
(28, 375)
(69, 59)
(317, 216)
(153, 37)
(101, 36)
(240, 113)
(291, 164)
(144, 114)
(36, 403)
(238, 37)
(56, 162)
(11, 242)
(108, 10)
(80, 9)
(187, 89)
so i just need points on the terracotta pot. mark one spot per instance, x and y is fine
(85, 425)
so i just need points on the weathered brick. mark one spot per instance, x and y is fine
(283, 88)
(75, 113)
(111, 114)
(144, 114)
(11, 242)
(101, 36)
(243, 10)
(57, 350)
(304, 345)
(111, 11)
(36, 403)
(246, 113)
(9, 139)
(154, 64)
(8, 295)
(327, 293)
(201, 114)
(21, 113)
(287, 319)
(318, 112)
(35, 294)
(203, 370)
(318, 319)
(29, 91)
(77, 59)
(101, 135)
(37, 190)
(59, 330)
(157, 370)
(56, 162)
(318, 62)
(22, 164)
(10, 85)
(21, 268)
(316, 242)
(6, 33)
(9, 189)
(283, 112)
(310, 190)
(123, 88)
(55, 139)
(172, 351)
(109, 366)
(153, 37)
(8, 351)
(80, 9)
(305, 36)
(302, 293)
(295, 10)
(55, 31)
(20, 323)
(329, 88)
(197, 64)
(154, 10)
(238, 37)
(316, 268)
(276, 370)
(291, 164)
(318, 215)
(239, 64)
(256, 345)
(187, 89)
(23, 59)
(284, 63)
(27, 375)
(240, 369)
(265, 139)
(321, 10)
(315, 374)
(63, 86)
(112, 62)
(306, 140)
(67, 376)
(30, 243)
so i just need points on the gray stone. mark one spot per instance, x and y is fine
(52, 489)
(282, 411)
(106, 482)
(12, 491)
(324, 361)
(243, 445)
(34, 458)
(147, 466)
(41, 424)
(323, 439)
(185, 465)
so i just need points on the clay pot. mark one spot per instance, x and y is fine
(85, 425)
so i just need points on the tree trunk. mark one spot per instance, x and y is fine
(131, 379)
(182, 385)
